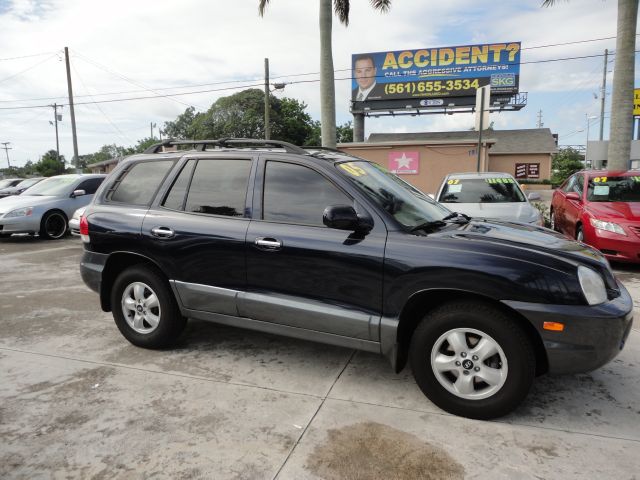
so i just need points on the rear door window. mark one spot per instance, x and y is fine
(218, 187)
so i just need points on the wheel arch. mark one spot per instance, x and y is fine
(423, 302)
(54, 210)
(116, 264)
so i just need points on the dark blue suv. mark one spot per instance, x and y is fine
(316, 244)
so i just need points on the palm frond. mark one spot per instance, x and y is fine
(341, 8)
(550, 3)
(383, 5)
(262, 6)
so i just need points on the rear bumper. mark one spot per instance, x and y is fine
(592, 335)
(91, 267)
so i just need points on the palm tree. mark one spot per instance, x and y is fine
(327, 81)
(621, 126)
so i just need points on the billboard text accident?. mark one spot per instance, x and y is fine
(436, 72)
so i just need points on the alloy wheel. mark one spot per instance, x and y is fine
(141, 307)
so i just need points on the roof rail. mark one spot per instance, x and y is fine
(288, 147)
(200, 145)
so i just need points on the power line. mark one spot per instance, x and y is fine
(168, 95)
(27, 56)
(27, 69)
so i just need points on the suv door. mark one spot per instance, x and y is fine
(196, 231)
(301, 273)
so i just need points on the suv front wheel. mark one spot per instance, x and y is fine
(145, 309)
(473, 360)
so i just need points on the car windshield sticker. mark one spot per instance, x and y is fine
(453, 181)
(454, 188)
(352, 169)
(600, 180)
(636, 179)
(599, 190)
(499, 180)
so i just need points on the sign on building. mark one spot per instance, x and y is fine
(404, 163)
(435, 74)
(636, 102)
(527, 170)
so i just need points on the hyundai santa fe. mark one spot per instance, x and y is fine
(320, 245)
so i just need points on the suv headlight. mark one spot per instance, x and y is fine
(592, 286)
(608, 226)
(20, 212)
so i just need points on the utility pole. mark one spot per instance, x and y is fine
(267, 104)
(6, 150)
(152, 125)
(603, 93)
(55, 107)
(76, 160)
(539, 124)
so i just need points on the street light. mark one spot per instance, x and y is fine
(586, 145)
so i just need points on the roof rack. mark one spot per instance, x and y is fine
(201, 145)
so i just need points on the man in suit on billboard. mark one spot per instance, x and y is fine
(364, 72)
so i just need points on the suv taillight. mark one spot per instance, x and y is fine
(84, 229)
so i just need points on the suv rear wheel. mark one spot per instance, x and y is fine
(471, 359)
(145, 309)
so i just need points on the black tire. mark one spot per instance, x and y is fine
(494, 325)
(54, 225)
(5, 235)
(170, 322)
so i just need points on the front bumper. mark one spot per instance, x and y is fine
(592, 335)
(27, 224)
(616, 247)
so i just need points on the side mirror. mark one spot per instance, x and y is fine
(534, 196)
(344, 217)
(573, 196)
(78, 193)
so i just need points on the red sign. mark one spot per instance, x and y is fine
(404, 163)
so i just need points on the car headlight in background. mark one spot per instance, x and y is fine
(20, 212)
(608, 226)
(592, 285)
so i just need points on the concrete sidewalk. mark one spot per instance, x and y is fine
(78, 401)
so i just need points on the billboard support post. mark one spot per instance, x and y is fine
(483, 96)
(358, 127)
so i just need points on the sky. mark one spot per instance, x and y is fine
(121, 50)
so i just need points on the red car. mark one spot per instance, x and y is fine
(601, 208)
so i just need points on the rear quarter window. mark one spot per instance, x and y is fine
(138, 184)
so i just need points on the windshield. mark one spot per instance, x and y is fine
(28, 182)
(5, 183)
(54, 186)
(481, 190)
(614, 189)
(408, 205)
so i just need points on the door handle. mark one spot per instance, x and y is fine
(162, 232)
(268, 243)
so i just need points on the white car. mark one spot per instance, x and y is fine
(494, 195)
(74, 223)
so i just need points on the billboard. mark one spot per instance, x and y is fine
(435, 73)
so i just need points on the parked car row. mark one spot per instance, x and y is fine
(46, 206)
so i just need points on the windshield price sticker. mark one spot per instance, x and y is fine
(635, 179)
(601, 190)
(457, 188)
(600, 180)
(454, 181)
(499, 180)
(352, 169)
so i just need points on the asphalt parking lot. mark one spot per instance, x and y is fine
(78, 401)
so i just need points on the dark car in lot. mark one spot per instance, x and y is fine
(320, 245)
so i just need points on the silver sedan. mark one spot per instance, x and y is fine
(46, 207)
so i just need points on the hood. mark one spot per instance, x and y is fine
(507, 211)
(530, 237)
(19, 201)
(629, 211)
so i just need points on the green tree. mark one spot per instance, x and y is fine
(565, 163)
(51, 164)
(143, 144)
(106, 152)
(621, 127)
(344, 134)
(241, 115)
(327, 79)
